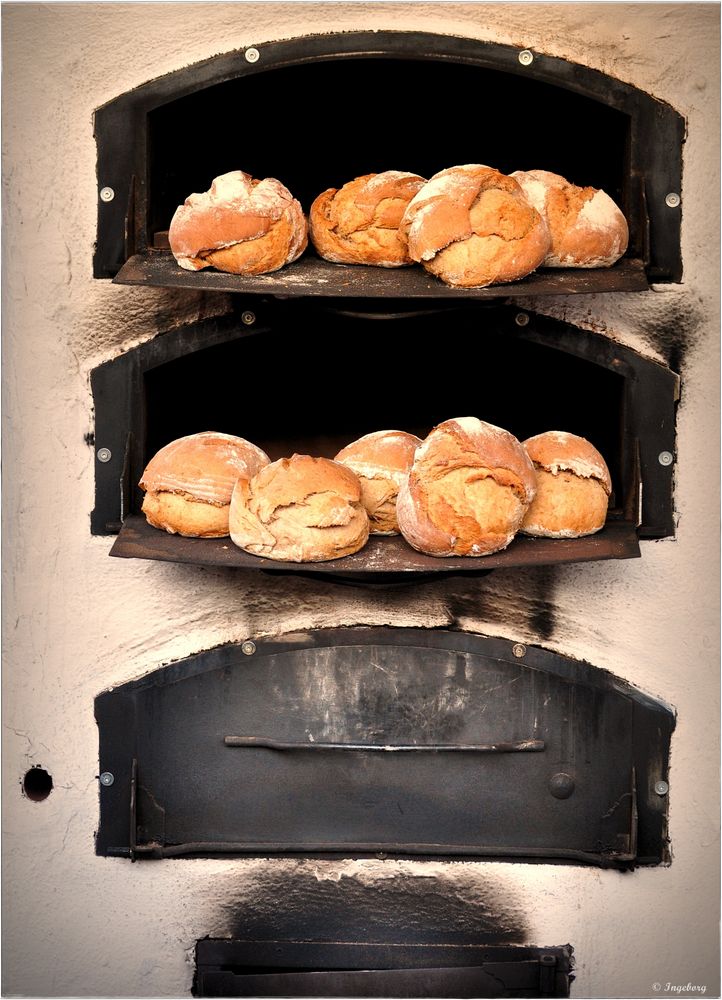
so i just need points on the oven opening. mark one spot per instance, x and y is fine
(320, 124)
(316, 382)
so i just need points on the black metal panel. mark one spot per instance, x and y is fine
(208, 765)
(648, 134)
(248, 968)
(311, 276)
(621, 401)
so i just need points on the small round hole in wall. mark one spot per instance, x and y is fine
(37, 784)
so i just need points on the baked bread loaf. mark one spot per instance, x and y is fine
(573, 486)
(299, 509)
(188, 483)
(472, 226)
(468, 490)
(381, 461)
(587, 229)
(358, 223)
(241, 225)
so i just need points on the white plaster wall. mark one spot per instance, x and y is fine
(76, 622)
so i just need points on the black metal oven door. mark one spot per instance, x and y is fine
(383, 741)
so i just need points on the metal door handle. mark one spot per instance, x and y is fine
(516, 746)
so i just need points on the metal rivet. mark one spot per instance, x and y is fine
(521, 319)
(248, 647)
(561, 785)
(107, 779)
(252, 55)
(526, 57)
(665, 458)
(248, 317)
(673, 200)
(104, 454)
(661, 787)
(107, 194)
(518, 650)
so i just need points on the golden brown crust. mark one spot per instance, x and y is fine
(191, 479)
(586, 227)
(573, 486)
(381, 460)
(471, 226)
(299, 509)
(240, 225)
(358, 223)
(467, 491)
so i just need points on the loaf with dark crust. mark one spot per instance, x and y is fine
(472, 226)
(573, 486)
(468, 490)
(586, 227)
(299, 509)
(240, 225)
(358, 223)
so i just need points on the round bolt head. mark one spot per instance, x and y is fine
(561, 785)
(661, 787)
(518, 650)
(107, 779)
(107, 194)
(526, 57)
(673, 200)
(248, 317)
(104, 454)
(252, 55)
(665, 458)
(248, 647)
(521, 319)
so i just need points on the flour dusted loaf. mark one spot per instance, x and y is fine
(241, 225)
(468, 490)
(358, 223)
(381, 460)
(188, 483)
(573, 486)
(472, 226)
(587, 228)
(299, 509)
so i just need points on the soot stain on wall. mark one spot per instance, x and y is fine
(673, 332)
(401, 906)
(526, 598)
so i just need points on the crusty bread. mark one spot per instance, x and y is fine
(189, 482)
(472, 226)
(587, 229)
(358, 223)
(299, 509)
(468, 490)
(241, 225)
(381, 460)
(573, 486)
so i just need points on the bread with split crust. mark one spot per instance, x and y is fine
(240, 225)
(299, 509)
(573, 486)
(472, 226)
(468, 490)
(189, 482)
(586, 227)
(381, 460)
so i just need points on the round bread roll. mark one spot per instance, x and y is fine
(381, 461)
(358, 224)
(468, 490)
(472, 226)
(573, 486)
(241, 225)
(299, 509)
(188, 483)
(587, 229)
